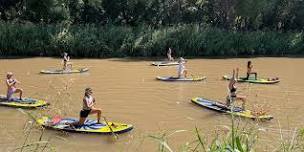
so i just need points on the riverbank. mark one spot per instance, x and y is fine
(95, 41)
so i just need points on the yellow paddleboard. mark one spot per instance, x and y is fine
(90, 126)
(24, 103)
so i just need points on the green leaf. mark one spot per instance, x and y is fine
(238, 144)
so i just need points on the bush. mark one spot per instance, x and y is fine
(92, 40)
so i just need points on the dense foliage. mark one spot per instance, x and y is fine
(101, 28)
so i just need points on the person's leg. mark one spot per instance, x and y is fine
(81, 120)
(20, 91)
(228, 101)
(243, 99)
(98, 112)
(69, 65)
(247, 76)
(9, 94)
(256, 75)
(172, 59)
(82, 117)
(185, 73)
(64, 65)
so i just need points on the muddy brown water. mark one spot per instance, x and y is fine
(127, 91)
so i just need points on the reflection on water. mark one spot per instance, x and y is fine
(128, 92)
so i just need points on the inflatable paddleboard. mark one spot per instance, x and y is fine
(164, 63)
(90, 126)
(61, 71)
(220, 107)
(24, 103)
(252, 80)
(170, 78)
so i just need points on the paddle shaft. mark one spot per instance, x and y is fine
(105, 119)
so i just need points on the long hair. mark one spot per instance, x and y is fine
(248, 64)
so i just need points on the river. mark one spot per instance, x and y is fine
(126, 91)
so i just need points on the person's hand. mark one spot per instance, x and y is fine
(17, 81)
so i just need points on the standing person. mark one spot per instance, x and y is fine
(88, 108)
(66, 62)
(232, 96)
(11, 86)
(181, 69)
(169, 56)
(250, 71)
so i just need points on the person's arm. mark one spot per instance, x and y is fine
(93, 104)
(16, 81)
(232, 79)
(85, 102)
(10, 83)
(237, 74)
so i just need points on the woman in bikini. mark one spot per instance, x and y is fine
(232, 96)
(11, 86)
(250, 71)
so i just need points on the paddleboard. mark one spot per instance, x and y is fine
(252, 80)
(164, 63)
(90, 125)
(170, 78)
(24, 103)
(220, 107)
(61, 71)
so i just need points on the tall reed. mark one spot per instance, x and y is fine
(92, 40)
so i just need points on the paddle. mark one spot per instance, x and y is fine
(106, 121)
(194, 76)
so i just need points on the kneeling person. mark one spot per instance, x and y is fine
(88, 108)
(11, 86)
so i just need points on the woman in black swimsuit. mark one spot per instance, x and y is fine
(250, 71)
(232, 96)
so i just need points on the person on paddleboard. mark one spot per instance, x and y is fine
(181, 69)
(88, 108)
(66, 61)
(250, 71)
(169, 56)
(11, 86)
(232, 96)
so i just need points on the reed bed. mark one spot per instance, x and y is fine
(92, 40)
